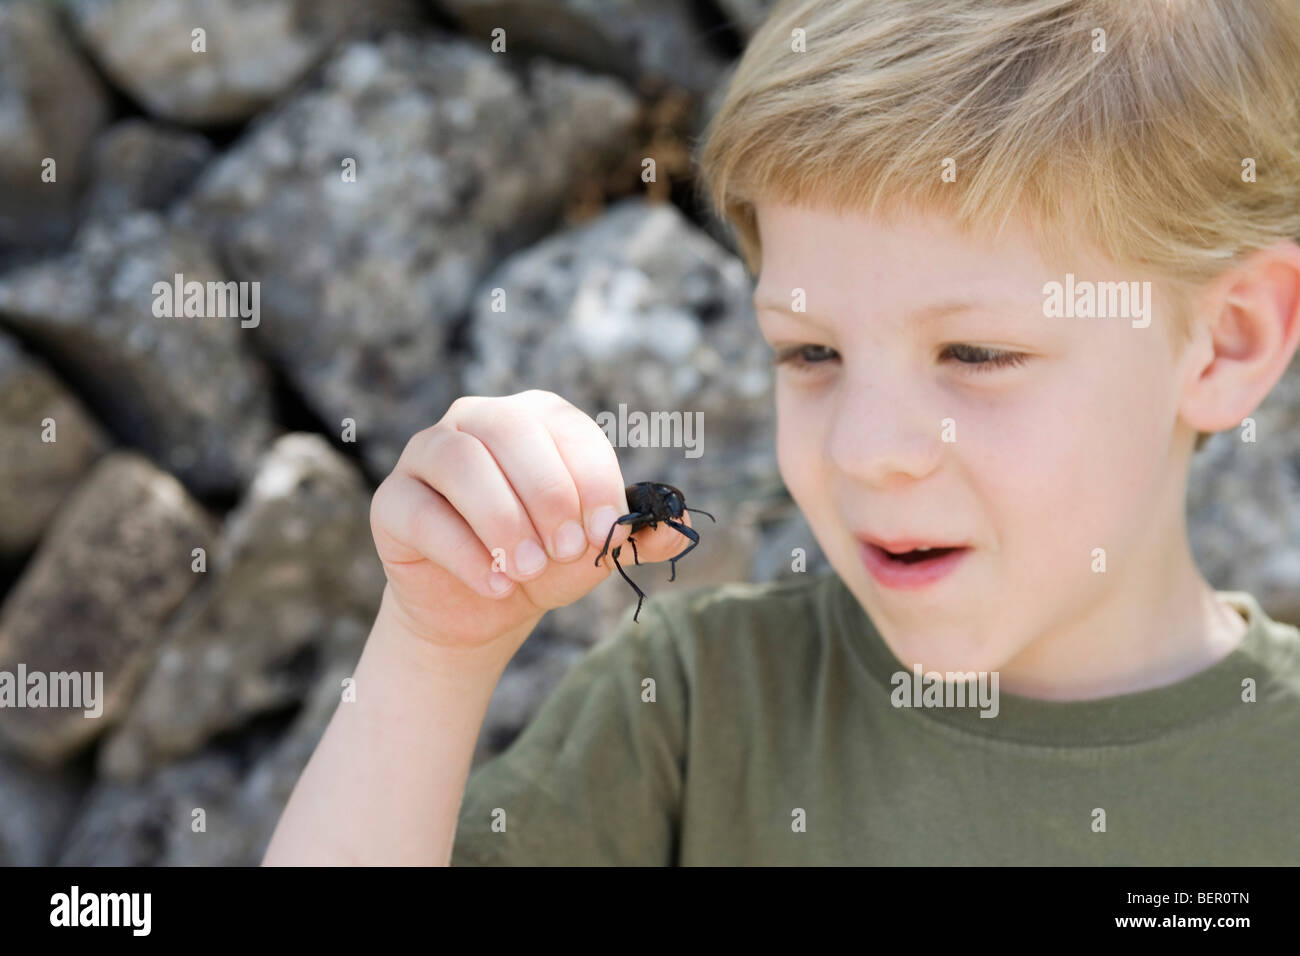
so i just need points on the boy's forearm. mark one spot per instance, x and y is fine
(385, 783)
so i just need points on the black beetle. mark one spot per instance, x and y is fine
(652, 502)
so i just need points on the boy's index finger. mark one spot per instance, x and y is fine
(590, 459)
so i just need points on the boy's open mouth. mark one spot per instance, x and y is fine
(909, 564)
(917, 555)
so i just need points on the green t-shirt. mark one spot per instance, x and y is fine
(773, 739)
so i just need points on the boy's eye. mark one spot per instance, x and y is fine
(971, 358)
(976, 358)
(803, 357)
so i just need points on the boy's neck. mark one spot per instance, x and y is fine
(1152, 628)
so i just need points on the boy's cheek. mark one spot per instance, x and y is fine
(1064, 535)
(798, 451)
(812, 494)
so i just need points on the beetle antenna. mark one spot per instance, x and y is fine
(701, 512)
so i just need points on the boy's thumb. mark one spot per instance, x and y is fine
(657, 544)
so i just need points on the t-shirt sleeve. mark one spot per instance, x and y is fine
(596, 777)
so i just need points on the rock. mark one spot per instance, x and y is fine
(36, 475)
(296, 586)
(154, 823)
(639, 309)
(185, 390)
(114, 566)
(1244, 504)
(242, 788)
(649, 45)
(137, 165)
(51, 106)
(457, 161)
(747, 15)
(36, 809)
(254, 51)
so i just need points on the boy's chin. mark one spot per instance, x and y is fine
(941, 646)
(946, 652)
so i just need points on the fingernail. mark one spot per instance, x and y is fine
(529, 557)
(601, 519)
(499, 583)
(570, 540)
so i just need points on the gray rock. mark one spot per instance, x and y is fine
(638, 308)
(647, 44)
(95, 598)
(256, 50)
(51, 106)
(242, 789)
(1244, 504)
(154, 823)
(36, 475)
(138, 165)
(296, 585)
(747, 15)
(37, 807)
(185, 390)
(456, 160)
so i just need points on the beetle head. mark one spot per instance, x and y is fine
(674, 501)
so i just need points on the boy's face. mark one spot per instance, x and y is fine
(1071, 450)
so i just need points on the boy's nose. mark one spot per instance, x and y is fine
(878, 436)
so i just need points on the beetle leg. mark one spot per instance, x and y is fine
(695, 539)
(626, 519)
(640, 595)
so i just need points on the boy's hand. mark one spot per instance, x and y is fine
(506, 473)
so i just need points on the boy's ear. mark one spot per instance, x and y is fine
(1247, 329)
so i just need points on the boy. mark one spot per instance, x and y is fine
(995, 475)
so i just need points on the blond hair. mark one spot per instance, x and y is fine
(1137, 138)
(1143, 147)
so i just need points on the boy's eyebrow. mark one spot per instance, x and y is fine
(935, 310)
